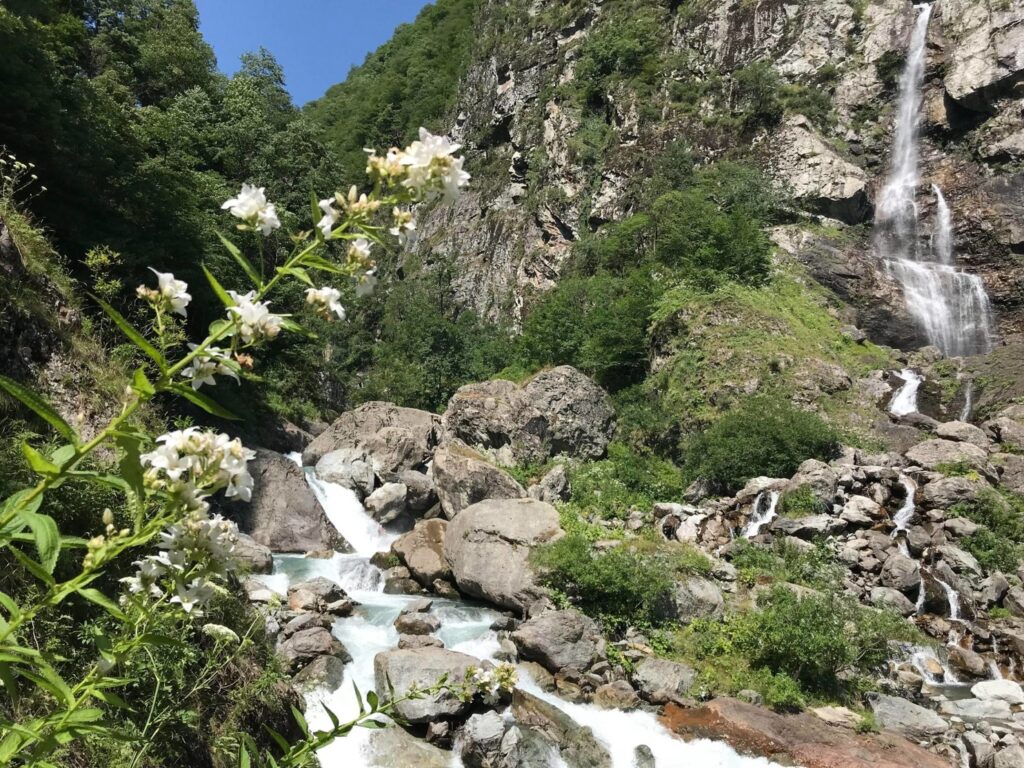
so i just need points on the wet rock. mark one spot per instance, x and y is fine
(306, 645)
(317, 594)
(478, 742)
(322, 672)
(419, 641)
(387, 503)
(893, 599)
(347, 467)
(967, 661)
(907, 718)
(417, 624)
(422, 551)
(643, 757)
(560, 640)
(500, 531)
(420, 491)
(994, 589)
(653, 676)
(283, 514)
(393, 438)
(860, 510)
(423, 667)
(616, 695)
(463, 477)
(393, 747)
(255, 558)
(577, 744)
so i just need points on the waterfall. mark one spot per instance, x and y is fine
(904, 401)
(950, 305)
(952, 598)
(905, 513)
(965, 412)
(762, 512)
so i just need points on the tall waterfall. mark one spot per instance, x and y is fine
(950, 305)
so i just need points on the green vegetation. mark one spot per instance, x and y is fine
(764, 436)
(826, 644)
(815, 568)
(800, 502)
(410, 81)
(999, 543)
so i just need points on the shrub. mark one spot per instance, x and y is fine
(765, 436)
(625, 479)
(999, 543)
(619, 586)
(816, 568)
(800, 502)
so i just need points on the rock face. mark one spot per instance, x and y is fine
(284, 515)
(817, 175)
(500, 531)
(560, 640)
(463, 477)
(987, 54)
(558, 412)
(802, 739)
(393, 438)
(424, 667)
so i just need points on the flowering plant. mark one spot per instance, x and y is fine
(183, 553)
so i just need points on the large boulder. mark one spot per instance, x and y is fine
(284, 514)
(422, 551)
(394, 439)
(1011, 471)
(693, 598)
(387, 503)
(911, 720)
(463, 477)
(819, 477)
(901, 573)
(947, 491)
(488, 546)
(655, 678)
(422, 667)
(963, 432)
(479, 740)
(348, 467)
(306, 645)
(254, 557)
(937, 454)
(576, 744)
(560, 411)
(1008, 432)
(560, 640)
(580, 418)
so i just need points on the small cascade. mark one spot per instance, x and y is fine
(924, 660)
(904, 401)
(965, 412)
(950, 305)
(762, 512)
(953, 599)
(346, 513)
(905, 513)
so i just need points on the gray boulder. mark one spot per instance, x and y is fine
(616, 695)
(963, 432)
(417, 624)
(893, 599)
(254, 557)
(1009, 757)
(986, 54)
(1011, 471)
(934, 454)
(576, 744)
(422, 551)
(496, 417)
(387, 503)
(393, 438)
(901, 573)
(322, 672)
(320, 595)
(479, 740)
(579, 416)
(347, 467)
(913, 721)
(973, 711)
(500, 532)
(560, 640)
(302, 647)
(819, 477)
(947, 491)
(693, 598)
(283, 514)
(810, 527)
(463, 477)
(656, 678)
(420, 492)
(1008, 432)
(423, 667)
(553, 487)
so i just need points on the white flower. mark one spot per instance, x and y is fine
(404, 225)
(212, 360)
(453, 179)
(430, 167)
(197, 593)
(255, 320)
(326, 300)
(173, 293)
(251, 206)
(221, 633)
(330, 218)
(359, 250)
(367, 283)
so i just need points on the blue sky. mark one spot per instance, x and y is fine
(316, 41)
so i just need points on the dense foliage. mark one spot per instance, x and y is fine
(998, 544)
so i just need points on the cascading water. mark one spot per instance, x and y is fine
(950, 305)
(904, 401)
(762, 513)
(965, 412)
(465, 628)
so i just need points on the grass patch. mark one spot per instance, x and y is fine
(999, 542)
(814, 568)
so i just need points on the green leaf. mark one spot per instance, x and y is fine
(300, 273)
(218, 289)
(137, 338)
(104, 602)
(130, 465)
(44, 676)
(319, 262)
(335, 722)
(242, 261)
(372, 725)
(301, 720)
(40, 407)
(315, 214)
(141, 384)
(359, 698)
(47, 537)
(39, 463)
(371, 699)
(10, 688)
(32, 566)
(290, 325)
(280, 740)
(62, 455)
(110, 698)
(208, 404)
(243, 758)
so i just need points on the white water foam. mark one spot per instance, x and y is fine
(762, 513)
(904, 401)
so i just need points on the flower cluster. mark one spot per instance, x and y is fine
(251, 206)
(488, 683)
(192, 464)
(404, 226)
(170, 295)
(206, 363)
(193, 555)
(254, 319)
(326, 301)
(426, 168)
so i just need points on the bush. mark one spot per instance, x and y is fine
(815, 568)
(999, 543)
(619, 586)
(800, 502)
(823, 642)
(765, 436)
